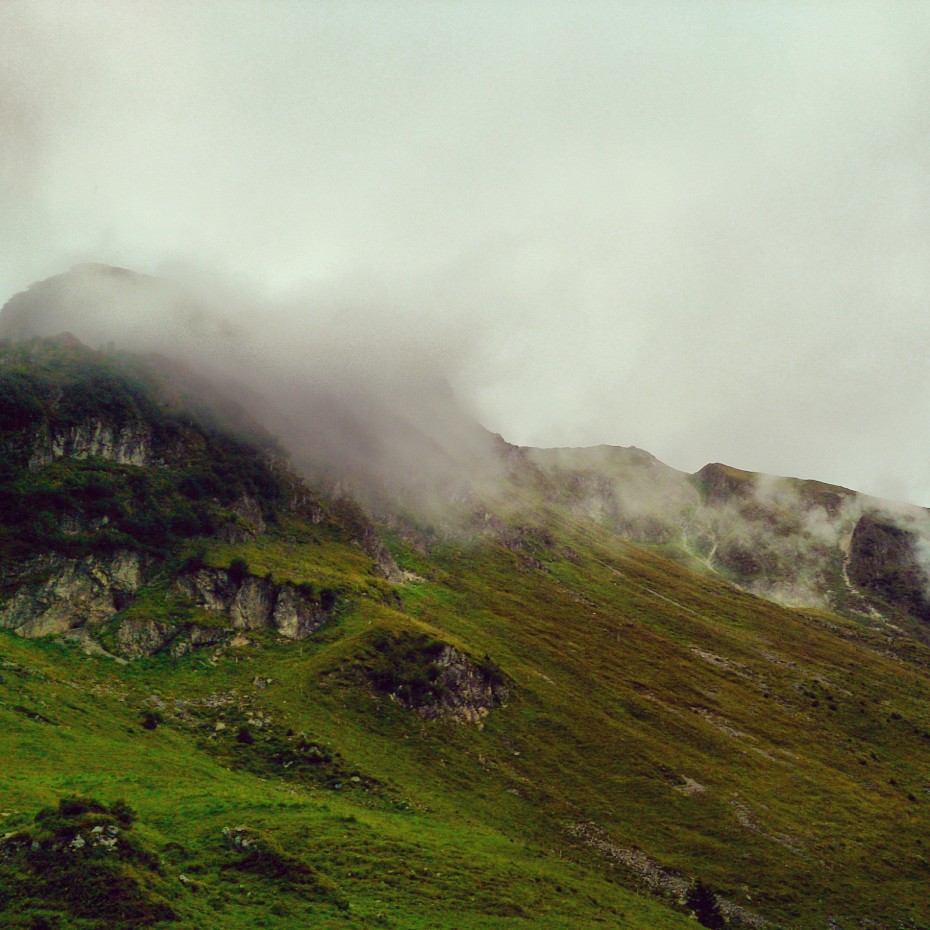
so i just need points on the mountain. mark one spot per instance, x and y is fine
(568, 688)
(798, 543)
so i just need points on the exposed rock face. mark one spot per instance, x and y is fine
(254, 603)
(195, 466)
(432, 678)
(139, 637)
(465, 692)
(249, 522)
(129, 444)
(295, 616)
(353, 518)
(84, 594)
(883, 561)
(73, 593)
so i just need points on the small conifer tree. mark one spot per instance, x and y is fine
(703, 904)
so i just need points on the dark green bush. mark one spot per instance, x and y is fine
(306, 589)
(71, 806)
(490, 672)
(151, 719)
(123, 813)
(405, 665)
(238, 571)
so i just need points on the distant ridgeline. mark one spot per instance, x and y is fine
(122, 473)
(799, 543)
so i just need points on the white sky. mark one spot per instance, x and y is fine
(700, 228)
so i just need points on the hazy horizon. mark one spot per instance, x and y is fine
(699, 230)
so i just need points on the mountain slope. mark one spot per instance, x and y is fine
(799, 543)
(504, 716)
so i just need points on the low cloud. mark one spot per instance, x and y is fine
(697, 229)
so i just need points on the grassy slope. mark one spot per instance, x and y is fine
(782, 757)
(631, 675)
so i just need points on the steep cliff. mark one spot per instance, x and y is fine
(884, 561)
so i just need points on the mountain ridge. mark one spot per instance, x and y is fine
(546, 703)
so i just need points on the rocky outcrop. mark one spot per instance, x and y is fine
(255, 603)
(431, 677)
(883, 561)
(127, 444)
(249, 522)
(364, 534)
(69, 593)
(295, 616)
(464, 691)
(54, 595)
(137, 637)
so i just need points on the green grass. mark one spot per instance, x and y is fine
(631, 676)
(322, 561)
(378, 854)
(782, 757)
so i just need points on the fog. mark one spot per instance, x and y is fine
(380, 425)
(700, 229)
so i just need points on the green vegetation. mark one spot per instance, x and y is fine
(78, 501)
(82, 861)
(107, 454)
(324, 567)
(665, 733)
(405, 665)
(806, 743)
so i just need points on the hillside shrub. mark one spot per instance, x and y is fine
(238, 571)
(151, 719)
(405, 665)
(702, 902)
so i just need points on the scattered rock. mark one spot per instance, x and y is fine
(690, 786)
(660, 881)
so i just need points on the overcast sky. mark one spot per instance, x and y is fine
(698, 228)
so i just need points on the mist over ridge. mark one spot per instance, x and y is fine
(697, 230)
(369, 412)
(461, 464)
(361, 402)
